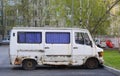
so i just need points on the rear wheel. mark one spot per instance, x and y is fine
(29, 64)
(92, 63)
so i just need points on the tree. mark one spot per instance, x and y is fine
(91, 14)
(102, 18)
(24, 12)
(85, 14)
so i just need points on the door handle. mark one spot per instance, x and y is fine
(41, 51)
(75, 47)
(46, 47)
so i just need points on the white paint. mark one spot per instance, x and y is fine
(54, 54)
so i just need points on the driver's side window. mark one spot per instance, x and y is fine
(82, 38)
(79, 39)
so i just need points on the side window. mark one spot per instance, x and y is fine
(21, 37)
(57, 37)
(82, 38)
(79, 39)
(86, 39)
(29, 37)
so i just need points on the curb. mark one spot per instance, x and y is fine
(112, 70)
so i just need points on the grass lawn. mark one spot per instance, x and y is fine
(112, 58)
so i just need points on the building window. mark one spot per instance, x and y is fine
(0, 3)
(29, 37)
(35, 12)
(0, 12)
(1, 22)
(35, 23)
(57, 37)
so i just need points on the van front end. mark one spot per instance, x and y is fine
(95, 61)
(100, 55)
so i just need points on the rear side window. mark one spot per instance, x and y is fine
(57, 37)
(29, 37)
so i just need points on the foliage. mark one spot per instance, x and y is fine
(9, 11)
(112, 58)
(61, 13)
(86, 13)
(24, 12)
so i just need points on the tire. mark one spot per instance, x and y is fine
(29, 64)
(92, 63)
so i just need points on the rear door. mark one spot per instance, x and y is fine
(57, 45)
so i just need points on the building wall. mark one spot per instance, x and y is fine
(1, 12)
(115, 20)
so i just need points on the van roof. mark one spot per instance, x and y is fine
(46, 28)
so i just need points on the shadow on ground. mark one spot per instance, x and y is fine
(57, 68)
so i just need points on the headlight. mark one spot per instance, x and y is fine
(100, 54)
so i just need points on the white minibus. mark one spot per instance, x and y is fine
(32, 46)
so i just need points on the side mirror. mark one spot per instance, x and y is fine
(89, 43)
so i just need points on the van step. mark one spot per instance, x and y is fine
(57, 58)
(56, 63)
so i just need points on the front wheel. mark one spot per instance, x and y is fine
(92, 63)
(29, 64)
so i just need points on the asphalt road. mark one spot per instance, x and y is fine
(7, 70)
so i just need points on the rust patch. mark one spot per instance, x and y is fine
(17, 61)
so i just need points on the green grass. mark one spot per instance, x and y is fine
(112, 58)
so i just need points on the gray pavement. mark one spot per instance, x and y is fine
(7, 70)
